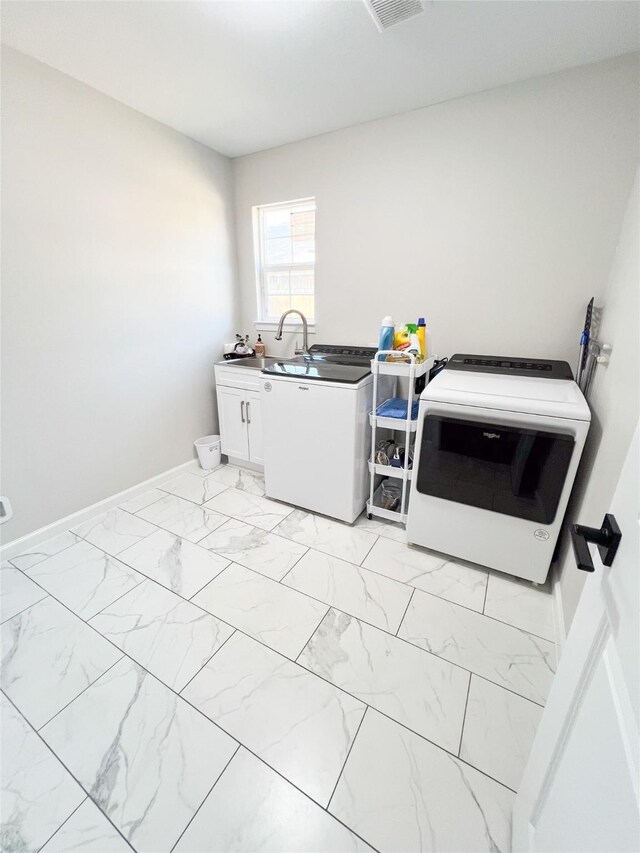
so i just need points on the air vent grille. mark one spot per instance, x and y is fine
(388, 13)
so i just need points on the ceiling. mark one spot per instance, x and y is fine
(244, 75)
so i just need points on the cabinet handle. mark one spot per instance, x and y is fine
(242, 411)
(248, 418)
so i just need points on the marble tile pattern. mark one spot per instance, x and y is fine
(184, 518)
(254, 509)
(87, 831)
(269, 611)
(144, 500)
(505, 655)
(521, 604)
(17, 592)
(462, 583)
(296, 722)
(255, 549)
(240, 478)
(38, 793)
(367, 595)
(173, 562)
(84, 578)
(221, 672)
(324, 534)
(401, 793)
(145, 757)
(193, 488)
(167, 635)
(114, 530)
(252, 809)
(46, 549)
(421, 691)
(498, 733)
(381, 527)
(49, 656)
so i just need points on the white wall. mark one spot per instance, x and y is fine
(117, 293)
(495, 216)
(614, 399)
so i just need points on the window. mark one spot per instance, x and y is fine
(285, 249)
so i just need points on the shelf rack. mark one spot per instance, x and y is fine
(410, 370)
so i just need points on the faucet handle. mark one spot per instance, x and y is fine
(298, 349)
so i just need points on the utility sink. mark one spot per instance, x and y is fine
(257, 363)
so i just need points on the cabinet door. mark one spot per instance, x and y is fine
(233, 422)
(254, 422)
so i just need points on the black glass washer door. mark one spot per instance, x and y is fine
(506, 469)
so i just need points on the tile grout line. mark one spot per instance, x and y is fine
(66, 820)
(464, 716)
(344, 763)
(209, 659)
(24, 609)
(373, 544)
(182, 536)
(122, 595)
(321, 551)
(220, 775)
(478, 613)
(72, 612)
(72, 775)
(22, 553)
(84, 689)
(288, 572)
(198, 591)
(486, 590)
(404, 614)
(312, 636)
(407, 727)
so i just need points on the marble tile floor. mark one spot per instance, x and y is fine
(204, 669)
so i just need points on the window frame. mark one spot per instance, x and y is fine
(261, 268)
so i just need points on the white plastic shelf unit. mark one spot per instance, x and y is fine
(410, 370)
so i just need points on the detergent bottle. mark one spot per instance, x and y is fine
(387, 333)
(422, 337)
(414, 342)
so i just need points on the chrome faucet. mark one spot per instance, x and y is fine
(305, 330)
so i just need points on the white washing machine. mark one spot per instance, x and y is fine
(497, 448)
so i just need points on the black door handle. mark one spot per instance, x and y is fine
(607, 538)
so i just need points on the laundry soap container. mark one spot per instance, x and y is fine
(387, 334)
(209, 451)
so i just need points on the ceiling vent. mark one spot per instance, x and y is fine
(388, 13)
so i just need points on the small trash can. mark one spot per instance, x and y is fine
(208, 449)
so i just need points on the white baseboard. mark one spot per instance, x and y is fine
(32, 540)
(559, 627)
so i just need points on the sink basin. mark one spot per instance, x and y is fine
(257, 363)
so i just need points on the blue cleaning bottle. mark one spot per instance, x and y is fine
(387, 334)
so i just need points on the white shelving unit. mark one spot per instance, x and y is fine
(409, 370)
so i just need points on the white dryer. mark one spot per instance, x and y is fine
(497, 448)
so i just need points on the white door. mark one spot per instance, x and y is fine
(233, 422)
(254, 425)
(580, 788)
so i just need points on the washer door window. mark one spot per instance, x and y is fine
(506, 469)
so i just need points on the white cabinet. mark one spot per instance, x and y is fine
(254, 426)
(239, 413)
(233, 422)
